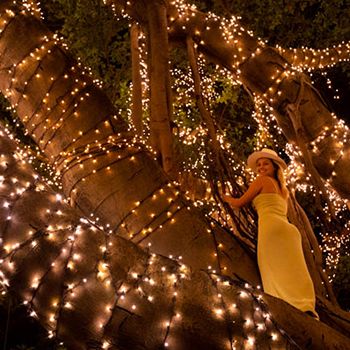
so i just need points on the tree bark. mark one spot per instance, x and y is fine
(160, 101)
(108, 177)
(314, 59)
(104, 174)
(136, 111)
(93, 289)
(266, 73)
(205, 114)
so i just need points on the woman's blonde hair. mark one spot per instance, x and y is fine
(279, 176)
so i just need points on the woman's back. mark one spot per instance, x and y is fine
(281, 261)
(270, 203)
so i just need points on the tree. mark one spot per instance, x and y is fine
(84, 284)
(52, 98)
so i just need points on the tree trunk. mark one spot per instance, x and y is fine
(205, 114)
(107, 175)
(160, 101)
(94, 290)
(269, 75)
(136, 111)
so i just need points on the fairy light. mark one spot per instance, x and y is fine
(298, 178)
(73, 154)
(311, 59)
(69, 304)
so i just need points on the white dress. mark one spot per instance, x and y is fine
(281, 260)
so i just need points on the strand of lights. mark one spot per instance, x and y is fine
(310, 59)
(32, 7)
(299, 180)
(97, 218)
(256, 321)
(71, 259)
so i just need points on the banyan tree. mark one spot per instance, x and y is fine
(127, 255)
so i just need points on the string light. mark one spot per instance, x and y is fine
(144, 279)
(90, 156)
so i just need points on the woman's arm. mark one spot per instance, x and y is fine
(253, 190)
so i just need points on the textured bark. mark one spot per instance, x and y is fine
(127, 193)
(266, 73)
(108, 177)
(123, 297)
(205, 114)
(314, 59)
(160, 99)
(136, 80)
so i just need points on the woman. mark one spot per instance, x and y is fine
(281, 261)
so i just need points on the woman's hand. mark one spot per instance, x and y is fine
(231, 201)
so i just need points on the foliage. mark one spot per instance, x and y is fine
(312, 23)
(9, 118)
(233, 113)
(102, 43)
(295, 23)
(98, 38)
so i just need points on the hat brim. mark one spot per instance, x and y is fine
(253, 158)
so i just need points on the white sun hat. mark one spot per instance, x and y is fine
(265, 153)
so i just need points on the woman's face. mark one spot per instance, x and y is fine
(265, 167)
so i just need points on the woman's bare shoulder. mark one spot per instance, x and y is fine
(262, 179)
(258, 182)
(267, 183)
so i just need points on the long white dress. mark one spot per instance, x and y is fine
(281, 260)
